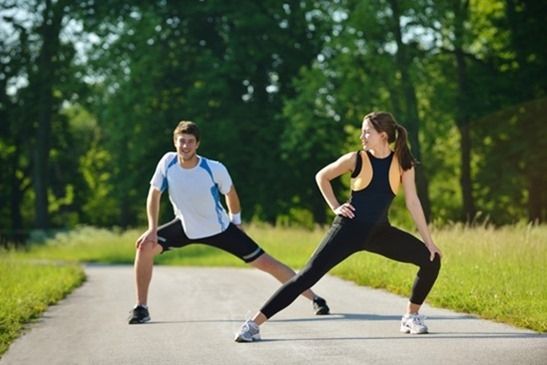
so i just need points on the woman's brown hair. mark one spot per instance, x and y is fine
(385, 122)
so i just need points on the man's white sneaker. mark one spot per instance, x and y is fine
(248, 332)
(413, 323)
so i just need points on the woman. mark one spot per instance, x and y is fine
(362, 222)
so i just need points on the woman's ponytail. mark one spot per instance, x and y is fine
(406, 160)
(396, 133)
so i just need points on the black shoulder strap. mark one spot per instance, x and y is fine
(358, 164)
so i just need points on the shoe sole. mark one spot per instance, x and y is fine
(139, 321)
(322, 311)
(408, 330)
(241, 339)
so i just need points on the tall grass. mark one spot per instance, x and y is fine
(497, 274)
(87, 244)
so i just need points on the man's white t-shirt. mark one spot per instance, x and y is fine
(195, 193)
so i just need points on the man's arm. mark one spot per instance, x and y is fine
(234, 207)
(152, 213)
(153, 208)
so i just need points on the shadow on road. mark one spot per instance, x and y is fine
(368, 317)
(374, 317)
(430, 336)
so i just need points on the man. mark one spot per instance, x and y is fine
(194, 184)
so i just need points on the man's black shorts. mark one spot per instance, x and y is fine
(232, 240)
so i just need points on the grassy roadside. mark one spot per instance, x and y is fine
(494, 273)
(26, 290)
(497, 274)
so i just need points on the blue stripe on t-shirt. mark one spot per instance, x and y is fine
(164, 184)
(214, 192)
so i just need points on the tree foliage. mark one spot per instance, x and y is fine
(91, 91)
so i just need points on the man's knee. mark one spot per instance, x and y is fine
(148, 249)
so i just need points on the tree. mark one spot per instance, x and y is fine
(524, 20)
(226, 66)
(14, 176)
(410, 111)
(42, 80)
(463, 117)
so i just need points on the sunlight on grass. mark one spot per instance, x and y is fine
(495, 273)
(26, 290)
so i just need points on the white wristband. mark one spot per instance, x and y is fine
(235, 218)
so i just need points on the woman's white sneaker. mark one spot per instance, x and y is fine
(413, 324)
(248, 332)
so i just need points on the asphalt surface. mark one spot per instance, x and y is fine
(196, 312)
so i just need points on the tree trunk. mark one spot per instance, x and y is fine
(535, 133)
(469, 209)
(535, 198)
(125, 212)
(50, 29)
(411, 117)
(528, 122)
(16, 197)
(463, 114)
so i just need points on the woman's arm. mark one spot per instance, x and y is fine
(323, 178)
(416, 211)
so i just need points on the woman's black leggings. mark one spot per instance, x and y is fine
(346, 237)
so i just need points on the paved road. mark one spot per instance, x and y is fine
(196, 311)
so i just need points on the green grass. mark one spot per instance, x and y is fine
(26, 290)
(494, 273)
(88, 244)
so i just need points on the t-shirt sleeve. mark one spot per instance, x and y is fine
(222, 178)
(159, 179)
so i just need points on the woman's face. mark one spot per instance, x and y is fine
(370, 137)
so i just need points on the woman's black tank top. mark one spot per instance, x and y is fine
(372, 203)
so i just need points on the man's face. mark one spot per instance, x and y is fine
(186, 145)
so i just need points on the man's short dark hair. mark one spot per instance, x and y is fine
(187, 127)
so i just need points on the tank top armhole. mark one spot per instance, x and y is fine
(358, 164)
(395, 174)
